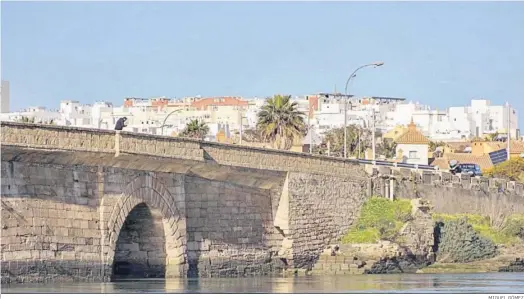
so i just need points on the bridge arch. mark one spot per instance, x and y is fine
(146, 193)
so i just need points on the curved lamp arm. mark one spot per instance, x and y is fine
(165, 119)
(355, 72)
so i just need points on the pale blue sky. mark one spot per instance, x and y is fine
(441, 54)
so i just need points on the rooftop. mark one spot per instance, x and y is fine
(483, 160)
(412, 136)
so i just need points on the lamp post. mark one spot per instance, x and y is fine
(373, 135)
(241, 129)
(164, 122)
(509, 128)
(376, 64)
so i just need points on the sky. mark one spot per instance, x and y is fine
(437, 53)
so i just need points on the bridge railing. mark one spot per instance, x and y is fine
(397, 164)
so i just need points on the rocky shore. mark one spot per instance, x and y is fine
(516, 266)
(424, 245)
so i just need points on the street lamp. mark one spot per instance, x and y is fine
(508, 140)
(376, 64)
(164, 122)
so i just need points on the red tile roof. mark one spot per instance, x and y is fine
(412, 136)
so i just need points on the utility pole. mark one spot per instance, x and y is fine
(508, 140)
(240, 142)
(359, 131)
(310, 132)
(373, 135)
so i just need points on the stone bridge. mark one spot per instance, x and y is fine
(94, 205)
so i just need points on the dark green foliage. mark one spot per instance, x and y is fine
(460, 243)
(195, 129)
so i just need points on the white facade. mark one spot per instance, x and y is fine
(456, 122)
(75, 114)
(414, 153)
(4, 97)
(32, 114)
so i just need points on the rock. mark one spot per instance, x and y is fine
(516, 266)
(403, 264)
(360, 264)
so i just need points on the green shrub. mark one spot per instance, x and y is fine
(511, 170)
(459, 242)
(508, 235)
(514, 226)
(380, 219)
(370, 235)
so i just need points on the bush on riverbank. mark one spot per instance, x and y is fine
(460, 243)
(509, 234)
(380, 219)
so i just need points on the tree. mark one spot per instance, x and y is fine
(280, 122)
(335, 137)
(491, 137)
(195, 129)
(433, 148)
(510, 170)
(434, 145)
(26, 119)
(387, 148)
(251, 135)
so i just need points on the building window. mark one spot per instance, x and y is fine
(413, 154)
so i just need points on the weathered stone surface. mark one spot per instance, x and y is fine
(322, 208)
(471, 197)
(68, 193)
(516, 266)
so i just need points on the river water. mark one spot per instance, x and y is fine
(498, 283)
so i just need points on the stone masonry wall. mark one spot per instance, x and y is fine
(70, 138)
(230, 229)
(453, 194)
(63, 222)
(60, 222)
(322, 208)
(50, 223)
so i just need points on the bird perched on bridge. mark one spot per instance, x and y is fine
(120, 123)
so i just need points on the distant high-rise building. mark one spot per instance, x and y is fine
(4, 97)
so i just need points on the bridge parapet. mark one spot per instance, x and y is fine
(52, 137)
(446, 179)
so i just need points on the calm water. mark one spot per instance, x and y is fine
(500, 283)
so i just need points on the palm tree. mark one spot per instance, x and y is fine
(280, 122)
(195, 129)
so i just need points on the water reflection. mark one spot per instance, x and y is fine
(403, 283)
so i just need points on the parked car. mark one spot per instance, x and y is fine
(471, 169)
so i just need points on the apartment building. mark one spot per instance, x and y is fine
(4, 97)
(169, 116)
(455, 123)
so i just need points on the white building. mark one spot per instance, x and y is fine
(456, 122)
(75, 114)
(413, 146)
(4, 97)
(32, 114)
(147, 115)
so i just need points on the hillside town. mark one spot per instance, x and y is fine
(378, 128)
